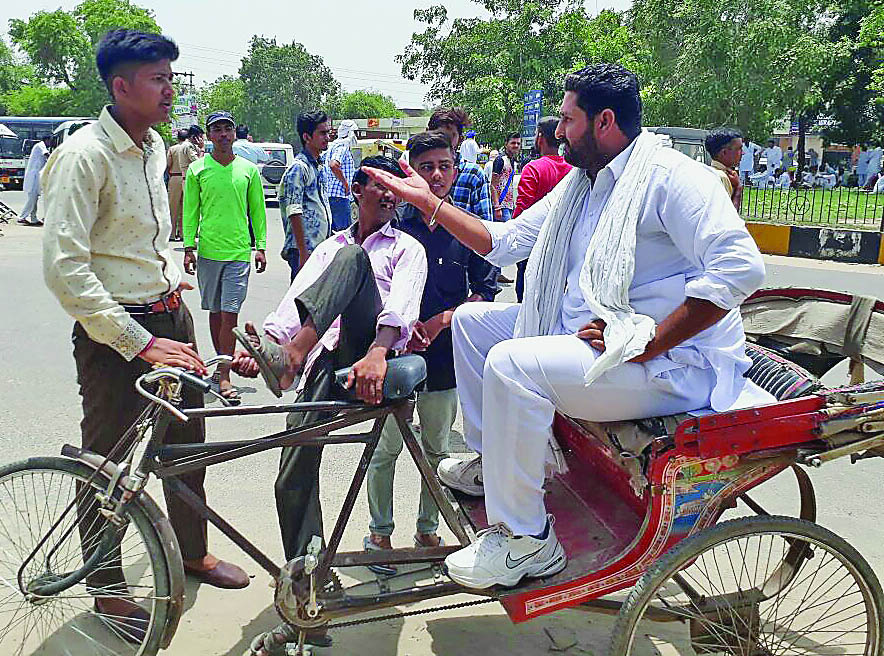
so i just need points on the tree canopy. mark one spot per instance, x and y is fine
(280, 82)
(488, 65)
(702, 63)
(362, 104)
(61, 47)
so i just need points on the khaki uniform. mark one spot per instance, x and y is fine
(722, 171)
(181, 156)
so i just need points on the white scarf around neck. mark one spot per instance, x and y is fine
(609, 265)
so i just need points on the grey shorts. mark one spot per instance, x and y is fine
(223, 285)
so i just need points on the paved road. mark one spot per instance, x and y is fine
(41, 412)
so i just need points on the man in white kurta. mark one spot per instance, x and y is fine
(695, 263)
(36, 162)
(774, 155)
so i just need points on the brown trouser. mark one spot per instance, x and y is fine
(110, 406)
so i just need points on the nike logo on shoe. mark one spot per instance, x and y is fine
(513, 564)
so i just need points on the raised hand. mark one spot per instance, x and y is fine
(412, 189)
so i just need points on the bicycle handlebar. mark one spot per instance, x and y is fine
(181, 375)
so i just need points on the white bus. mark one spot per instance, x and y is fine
(14, 152)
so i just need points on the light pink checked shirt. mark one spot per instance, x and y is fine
(399, 263)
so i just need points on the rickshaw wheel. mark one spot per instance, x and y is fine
(730, 590)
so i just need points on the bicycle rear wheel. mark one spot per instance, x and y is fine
(34, 495)
(729, 590)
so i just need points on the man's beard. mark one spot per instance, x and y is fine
(584, 153)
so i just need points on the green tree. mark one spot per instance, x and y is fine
(488, 65)
(61, 45)
(13, 74)
(362, 104)
(746, 63)
(849, 97)
(281, 81)
(228, 93)
(871, 36)
(37, 100)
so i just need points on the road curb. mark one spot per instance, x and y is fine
(854, 246)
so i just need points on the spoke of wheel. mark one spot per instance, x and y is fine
(31, 504)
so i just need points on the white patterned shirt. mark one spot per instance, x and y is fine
(106, 239)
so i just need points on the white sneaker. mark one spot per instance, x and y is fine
(463, 475)
(498, 557)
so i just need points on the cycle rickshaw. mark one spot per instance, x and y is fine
(638, 514)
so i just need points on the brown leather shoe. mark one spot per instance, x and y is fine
(223, 575)
(125, 618)
(502, 278)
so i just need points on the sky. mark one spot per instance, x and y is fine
(358, 39)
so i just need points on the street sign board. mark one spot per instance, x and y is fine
(184, 112)
(533, 111)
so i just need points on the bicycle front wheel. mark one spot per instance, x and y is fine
(92, 616)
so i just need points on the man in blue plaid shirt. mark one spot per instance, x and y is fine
(470, 191)
(339, 172)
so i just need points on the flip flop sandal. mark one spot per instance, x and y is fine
(270, 356)
(231, 395)
(383, 570)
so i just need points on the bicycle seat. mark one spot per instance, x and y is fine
(404, 374)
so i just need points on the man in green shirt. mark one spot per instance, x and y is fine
(222, 193)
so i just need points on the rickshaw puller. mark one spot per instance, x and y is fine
(638, 262)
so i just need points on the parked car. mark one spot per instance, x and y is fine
(690, 141)
(281, 156)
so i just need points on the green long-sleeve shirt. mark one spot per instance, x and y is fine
(218, 203)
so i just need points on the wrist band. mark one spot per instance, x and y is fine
(432, 220)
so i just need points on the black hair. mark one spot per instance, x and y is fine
(195, 131)
(719, 138)
(382, 162)
(456, 116)
(242, 131)
(513, 135)
(609, 86)
(308, 121)
(420, 143)
(182, 134)
(547, 128)
(123, 47)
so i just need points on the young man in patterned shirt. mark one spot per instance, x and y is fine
(303, 198)
(106, 258)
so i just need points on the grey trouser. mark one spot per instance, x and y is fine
(437, 411)
(347, 289)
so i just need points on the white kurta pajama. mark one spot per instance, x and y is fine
(31, 186)
(690, 242)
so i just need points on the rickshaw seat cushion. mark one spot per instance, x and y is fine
(778, 376)
(404, 374)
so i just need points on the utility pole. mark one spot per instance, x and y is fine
(189, 76)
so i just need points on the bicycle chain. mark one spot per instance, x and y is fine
(410, 613)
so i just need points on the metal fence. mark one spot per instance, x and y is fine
(841, 207)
